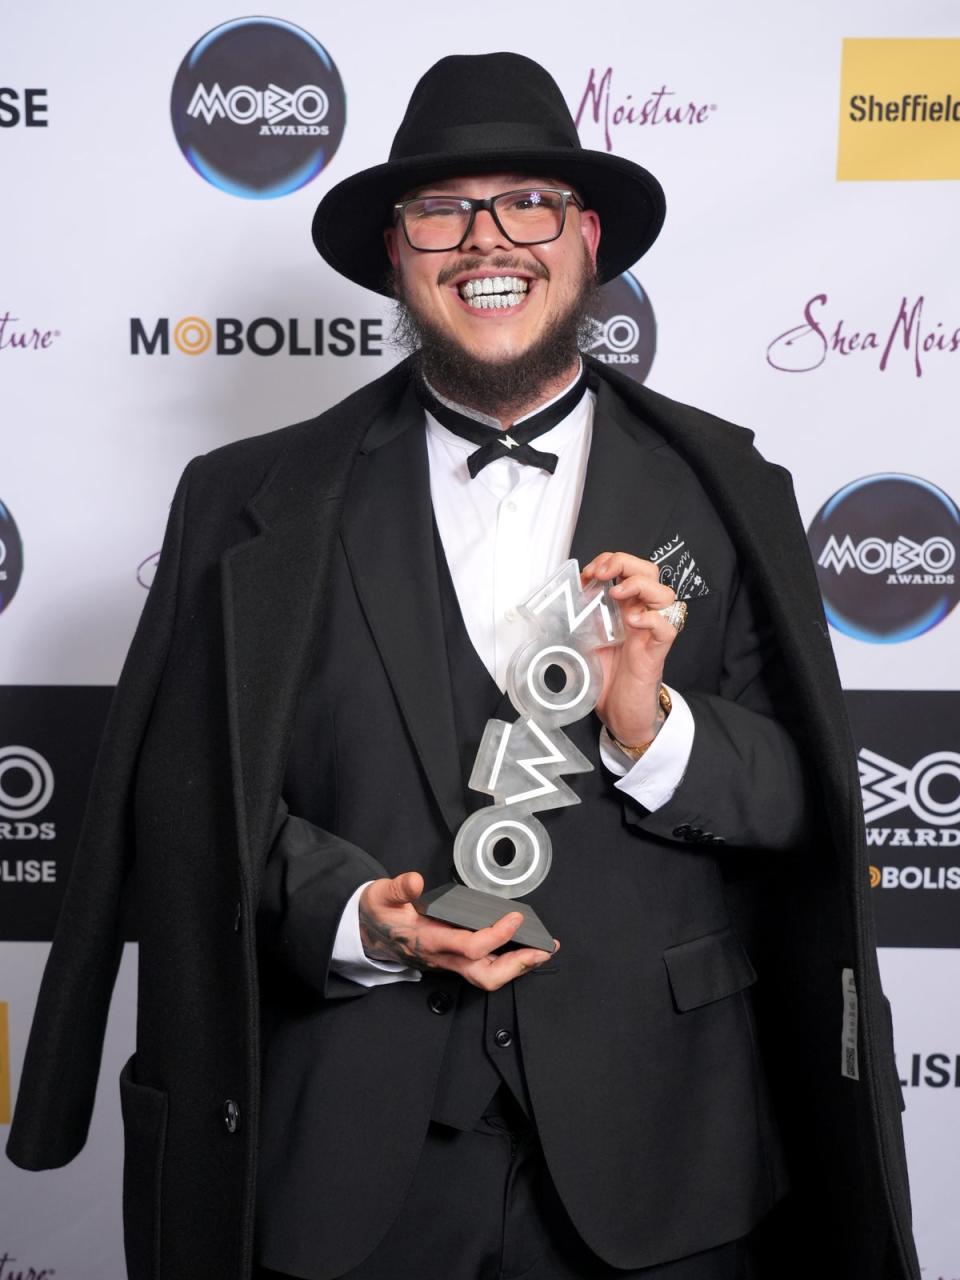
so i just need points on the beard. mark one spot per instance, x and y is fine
(498, 386)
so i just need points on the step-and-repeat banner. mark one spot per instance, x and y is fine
(160, 296)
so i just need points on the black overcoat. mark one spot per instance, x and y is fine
(183, 810)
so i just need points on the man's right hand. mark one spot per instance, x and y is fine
(392, 929)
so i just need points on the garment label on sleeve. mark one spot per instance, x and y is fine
(848, 1061)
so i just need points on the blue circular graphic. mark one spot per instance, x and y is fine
(885, 549)
(11, 557)
(258, 107)
(626, 335)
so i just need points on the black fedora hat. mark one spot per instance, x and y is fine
(486, 113)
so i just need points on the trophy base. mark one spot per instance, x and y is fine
(472, 909)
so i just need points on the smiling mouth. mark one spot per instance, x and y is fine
(493, 292)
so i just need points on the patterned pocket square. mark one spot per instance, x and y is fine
(679, 569)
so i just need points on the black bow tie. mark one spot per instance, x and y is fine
(514, 441)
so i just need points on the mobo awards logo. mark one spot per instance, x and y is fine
(258, 107)
(927, 791)
(11, 557)
(885, 548)
(26, 789)
(626, 334)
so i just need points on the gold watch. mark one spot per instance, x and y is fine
(666, 706)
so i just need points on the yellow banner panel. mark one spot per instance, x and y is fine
(899, 110)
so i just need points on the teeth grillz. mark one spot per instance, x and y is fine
(493, 292)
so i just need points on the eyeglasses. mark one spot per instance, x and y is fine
(435, 224)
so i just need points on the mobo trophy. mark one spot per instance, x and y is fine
(521, 764)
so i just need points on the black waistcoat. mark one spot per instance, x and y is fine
(484, 1043)
(478, 1055)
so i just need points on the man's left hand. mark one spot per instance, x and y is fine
(632, 672)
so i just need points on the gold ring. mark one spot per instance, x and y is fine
(675, 614)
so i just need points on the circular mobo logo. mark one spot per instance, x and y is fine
(11, 557)
(26, 782)
(626, 329)
(885, 549)
(258, 107)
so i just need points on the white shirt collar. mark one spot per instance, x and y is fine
(556, 439)
(495, 422)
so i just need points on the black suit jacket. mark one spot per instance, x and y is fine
(637, 1039)
(223, 648)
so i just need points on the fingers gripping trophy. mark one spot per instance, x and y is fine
(503, 851)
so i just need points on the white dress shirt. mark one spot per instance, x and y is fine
(504, 533)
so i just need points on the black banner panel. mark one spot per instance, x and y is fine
(908, 754)
(48, 743)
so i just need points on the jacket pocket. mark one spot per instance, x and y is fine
(703, 611)
(707, 969)
(144, 1112)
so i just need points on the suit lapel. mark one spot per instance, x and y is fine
(388, 537)
(631, 487)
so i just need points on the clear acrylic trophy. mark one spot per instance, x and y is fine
(502, 852)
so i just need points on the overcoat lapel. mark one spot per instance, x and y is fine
(272, 600)
(751, 497)
(388, 537)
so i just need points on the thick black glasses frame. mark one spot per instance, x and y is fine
(400, 210)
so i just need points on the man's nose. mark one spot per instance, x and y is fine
(485, 235)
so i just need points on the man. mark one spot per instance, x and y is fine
(286, 763)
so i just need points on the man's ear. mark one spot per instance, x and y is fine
(390, 240)
(590, 230)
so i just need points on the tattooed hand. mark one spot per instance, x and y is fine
(391, 929)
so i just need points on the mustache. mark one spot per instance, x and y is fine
(502, 262)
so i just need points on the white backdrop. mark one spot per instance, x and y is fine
(102, 220)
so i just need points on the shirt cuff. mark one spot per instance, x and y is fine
(350, 960)
(653, 779)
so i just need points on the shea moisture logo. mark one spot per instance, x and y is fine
(20, 335)
(908, 336)
(885, 548)
(12, 1269)
(610, 110)
(258, 107)
(147, 570)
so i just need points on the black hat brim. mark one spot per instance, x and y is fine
(350, 219)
